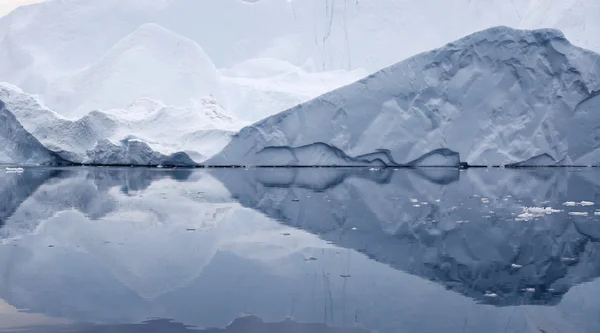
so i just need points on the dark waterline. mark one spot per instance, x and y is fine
(309, 250)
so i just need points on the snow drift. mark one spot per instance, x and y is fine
(497, 97)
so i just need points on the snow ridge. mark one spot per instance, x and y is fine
(497, 97)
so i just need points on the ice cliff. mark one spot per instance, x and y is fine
(497, 97)
(18, 145)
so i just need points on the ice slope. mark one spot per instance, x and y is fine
(17, 146)
(147, 132)
(151, 62)
(258, 88)
(496, 97)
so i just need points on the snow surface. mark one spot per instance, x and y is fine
(497, 97)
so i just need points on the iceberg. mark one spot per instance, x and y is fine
(155, 132)
(497, 97)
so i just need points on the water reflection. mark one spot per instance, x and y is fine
(247, 324)
(385, 250)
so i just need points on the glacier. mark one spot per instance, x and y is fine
(498, 97)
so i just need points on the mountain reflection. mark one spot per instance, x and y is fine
(382, 249)
(248, 324)
(459, 231)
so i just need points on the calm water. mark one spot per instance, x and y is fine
(300, 250)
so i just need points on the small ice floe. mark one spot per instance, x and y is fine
(14, 170)
(596, 213)
(529, 290)
(437, 200)
(582, 203)
(413, 200)
(160, 166)
(424, 203)
(490, 294)
(568, 259)
(373, 169)
(578, 213)
(485, 200)
(516, 266)
(530, 213)
(354, 228)
(417, 206)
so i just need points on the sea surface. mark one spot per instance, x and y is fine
(300, 250)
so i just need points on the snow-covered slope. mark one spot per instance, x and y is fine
(151, 62)
(144, 133)
(496, 97)
(17, 146)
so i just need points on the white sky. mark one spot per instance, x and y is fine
(8, 5)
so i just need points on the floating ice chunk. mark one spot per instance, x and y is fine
(414, 200)
(490, 294)
(14, 170)
(596, 213)
(530, 213)
(516, 266)
(568, 259)
(578, 213)
(582, 203)
(485, 200)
